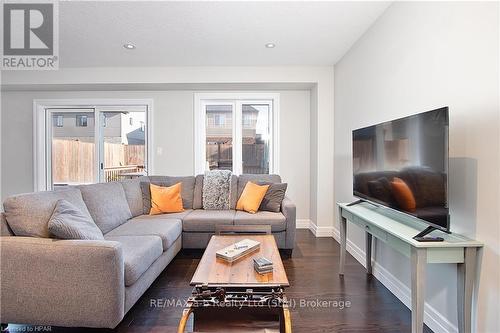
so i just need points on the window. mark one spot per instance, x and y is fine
(81, 121)
(219, 138)
(219, 120)
(237, 132)
(256, 138)
(59, 121)
(247, 120)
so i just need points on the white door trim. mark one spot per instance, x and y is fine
(40, 181)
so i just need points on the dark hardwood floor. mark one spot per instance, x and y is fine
(320, 297)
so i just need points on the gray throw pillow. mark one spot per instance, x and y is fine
(68, 222)
(274, 196)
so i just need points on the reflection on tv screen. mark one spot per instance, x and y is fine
(403, 164)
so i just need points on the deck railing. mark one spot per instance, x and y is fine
(115, 173)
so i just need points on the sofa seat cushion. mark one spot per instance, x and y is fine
(277, 221)
(29, 214)
(139, 253)
(107, 204)
(166, 227)
(201, 220)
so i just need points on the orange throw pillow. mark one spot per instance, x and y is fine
(403, 194)
(166, 199)
(252, 197)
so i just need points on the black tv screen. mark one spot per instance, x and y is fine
(403, 164)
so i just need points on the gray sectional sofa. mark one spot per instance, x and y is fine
(88, 283)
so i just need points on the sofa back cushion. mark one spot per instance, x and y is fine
(5, 230)
(107, 204)
(133, 193)
(29, 214)
(268, 179)
(233, 198)
(198, 192)
(187, 193)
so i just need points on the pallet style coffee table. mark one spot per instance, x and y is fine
(236, 289)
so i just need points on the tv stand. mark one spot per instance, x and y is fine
(426, 231)
(397, 233)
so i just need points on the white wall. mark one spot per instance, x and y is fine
(295, 169)
(419, 56)
(173, 132)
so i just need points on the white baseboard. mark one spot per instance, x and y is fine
(317, 231)
(321, 231)
(303, 223)
(432, 318)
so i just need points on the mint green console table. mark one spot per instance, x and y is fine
(397, 231)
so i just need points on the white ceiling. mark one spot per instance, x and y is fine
(210, 33)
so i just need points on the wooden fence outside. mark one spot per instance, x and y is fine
(73, 162)
(255, 158)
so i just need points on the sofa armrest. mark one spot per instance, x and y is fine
(290, 211)
(61, 282)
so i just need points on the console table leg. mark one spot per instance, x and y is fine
(418, 263)
(465, 287)
(368, 250)
(343, 241)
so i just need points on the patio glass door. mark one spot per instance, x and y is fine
(90, 145)
(71, 147)
(122, 144)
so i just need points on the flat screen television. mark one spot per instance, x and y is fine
(403, 165)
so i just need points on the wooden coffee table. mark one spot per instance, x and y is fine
(222, 285)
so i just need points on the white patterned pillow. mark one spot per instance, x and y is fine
(217, 190)
(68, 222)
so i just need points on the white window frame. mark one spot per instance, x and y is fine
(41, 130)
(236, 99)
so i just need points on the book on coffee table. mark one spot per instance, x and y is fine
(262, 265)
(237, 250)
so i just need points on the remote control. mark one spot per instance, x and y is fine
(428, 239)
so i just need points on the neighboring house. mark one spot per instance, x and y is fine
(220, 124)
(119, 127)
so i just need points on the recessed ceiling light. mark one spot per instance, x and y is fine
(270, 45)
(129, 46)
